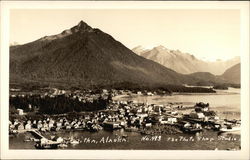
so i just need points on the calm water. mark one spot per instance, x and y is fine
(225, 103)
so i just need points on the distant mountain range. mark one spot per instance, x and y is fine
(183, 62)
(86, 56)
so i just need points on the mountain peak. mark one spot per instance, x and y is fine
(160, 47)
(139, 50)
(82, 26)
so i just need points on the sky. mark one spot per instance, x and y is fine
(207, 34)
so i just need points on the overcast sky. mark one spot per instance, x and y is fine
(207, 34)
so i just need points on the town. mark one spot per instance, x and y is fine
(107, 114)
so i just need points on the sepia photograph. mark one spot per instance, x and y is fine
(125, 78)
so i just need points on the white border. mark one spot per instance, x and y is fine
(124, 154)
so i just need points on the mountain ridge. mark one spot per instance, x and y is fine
(184, 63)
(73, 59)
(232, 74)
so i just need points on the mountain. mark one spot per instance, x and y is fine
(139, 50)
(231, 77)
(209, 77)
(183, 62)
(84, 56)
(232, 74)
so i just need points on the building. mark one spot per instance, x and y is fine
(51, 124)
(39, 125)
(172, 120)
(139, 93)
(111, 125)
(20, 111)
(20, 126)
(150, 94)
(201, 107)
(197, 115)
(28, 126)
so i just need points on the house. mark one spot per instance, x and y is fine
(87, 117)
(20, 126)
(201, 107)
(172, 120)
(76, 125)
(39, 125)
(20, 111)
(157, 108)
(59, 139)
(157, 118)
(150, 94)
(51, 124)
(142, 115)
(104, 91)
(144, 109)
(16, 122)
(123, 123)
(197, 115)
(139, 110)
(150, 108)
(68, 127)
(11, 126)
(59, 124)
(30, 107)
(164, 122)
(111, 125)
(28, 126)
(46, 126)
(148, 124)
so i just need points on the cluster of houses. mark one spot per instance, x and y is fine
(119, 114)
(141, 114)
(50, 124)
(85, 95)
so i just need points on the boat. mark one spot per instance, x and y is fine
(27, 140)
(34, 139)
(74, 142)
(192, 128)
(111, 125)
(50, 145)
(47, 144)
(62, 145)
(230, 128)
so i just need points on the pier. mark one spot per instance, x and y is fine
(36, 133)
